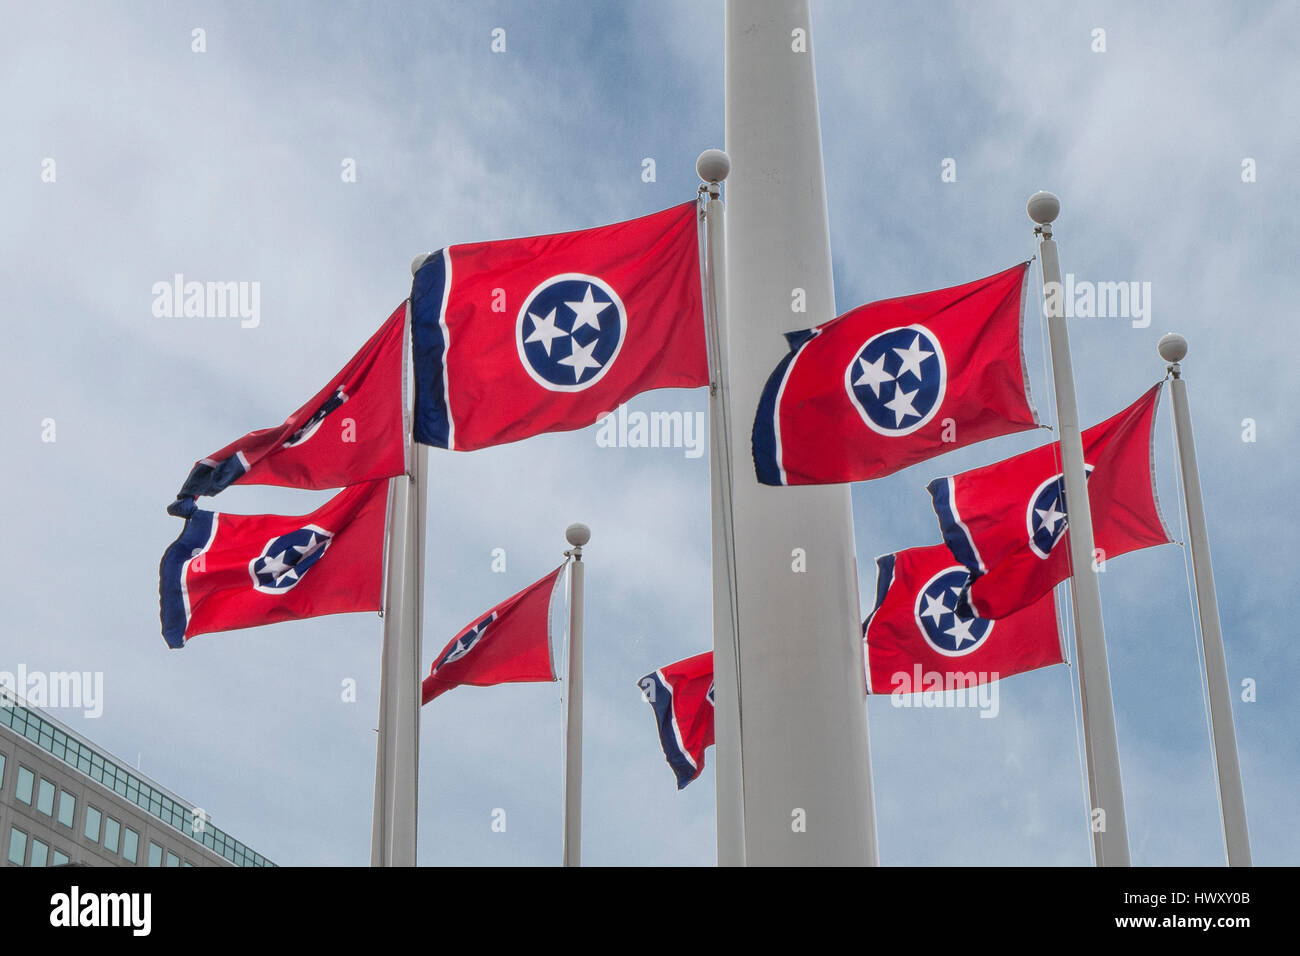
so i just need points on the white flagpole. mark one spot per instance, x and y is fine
(713, 166)
(577, 535)
(397, 769)
(1232, 801)
(1105, 789)
(805, 761)
(394, 557)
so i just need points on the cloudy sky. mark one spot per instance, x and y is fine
(226, 165)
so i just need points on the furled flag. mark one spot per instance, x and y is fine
(1006, 521)
(228, 571)
(508, 644)
(351, 431)
(682, 697)
(524, 336)
(918, 640)
(896, 382)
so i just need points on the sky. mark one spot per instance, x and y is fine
(228, 165)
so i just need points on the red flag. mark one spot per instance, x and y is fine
(1006, 521)
(227, 571)
(682, 697)
(896, 382)
(351, 431)
(917, 639)
(515, 338)
(508, 644)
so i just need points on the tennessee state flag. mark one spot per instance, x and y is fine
(917, 638)
(1006, 521)
(896, 382)
(351, 431)
(524, 336)
(508, 644)
(227, 571)
(682, 697)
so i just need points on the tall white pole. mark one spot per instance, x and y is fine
(1232, 801)
(805, 762)
(713, 166)
(394, 559)
(397, 766)
(1106, 792)
(577, 535)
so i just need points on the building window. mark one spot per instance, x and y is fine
(155, 854)
(45, 797)
(17, 846)
(60, 858)
(111, 830)
(67, 808)
(2, 771)
(92, 824)
(25, 780)
(130, 845)
(40, 853)
(173, 859)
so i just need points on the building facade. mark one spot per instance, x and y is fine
(65, 801)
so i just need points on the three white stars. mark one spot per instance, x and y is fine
(279, 569)
(960, 632)
(873, 375)
(585, 312)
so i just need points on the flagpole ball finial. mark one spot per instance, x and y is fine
(1172, 347)
(577, 534)
(419, 261)
(1043, 207)
(713, 165)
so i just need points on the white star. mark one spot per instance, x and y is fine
(873, 374)
(274, 565)
(580, 358)
(1050, 516)
(310, 548)
(960, 631)
(585, 312)
(901, 405)
(935, 609)
(912, 357)
(544, 330)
